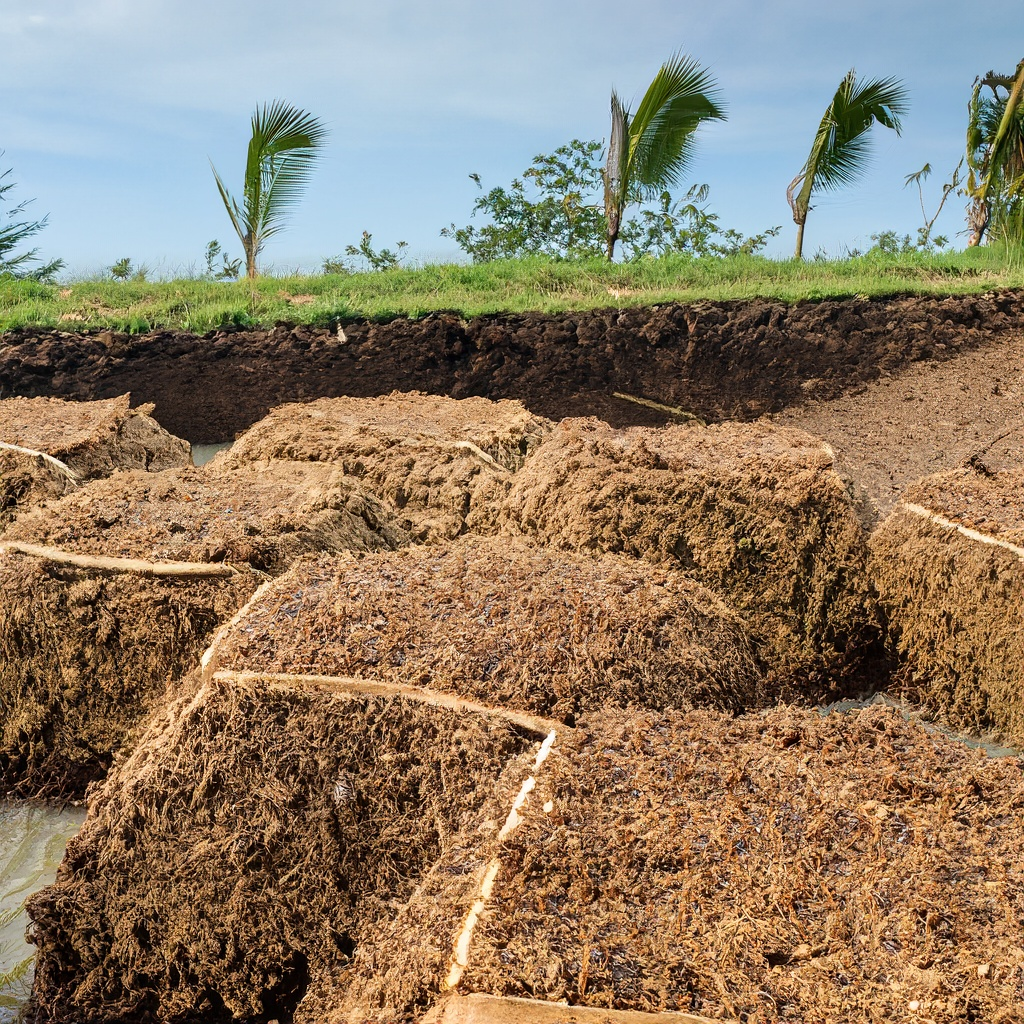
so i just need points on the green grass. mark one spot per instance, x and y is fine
(505, 286)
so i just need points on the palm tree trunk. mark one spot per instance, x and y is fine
(249, 244)
(977, 221)
(799, 240)
(613, 214)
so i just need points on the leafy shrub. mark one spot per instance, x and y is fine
(556, 209)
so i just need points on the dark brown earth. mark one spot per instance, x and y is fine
(720, 360)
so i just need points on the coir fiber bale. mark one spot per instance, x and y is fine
(503, 624)
(429, 458)
(91, 438)
(753, 511)
(84, 650)
(236, 858)
(949, 566)
(788, 866)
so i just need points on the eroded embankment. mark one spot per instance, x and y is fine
(716, 359)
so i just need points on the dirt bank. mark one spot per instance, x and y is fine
(716, 359)
(929, 416)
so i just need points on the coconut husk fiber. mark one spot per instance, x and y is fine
(782, 866)
(755, 512)
(429, 458)
(501, 623)
(237, 857)
(85, 651)
(949, 566)
(91, 438)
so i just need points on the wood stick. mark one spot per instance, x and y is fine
(375, 688)
(62, 468)
(670, 409)
(103, 563)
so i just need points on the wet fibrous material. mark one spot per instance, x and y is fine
(949, 564)
(506, 625)
(432, 460)
(85, 652)
(88, 440)
(241, 853)
(771, 867)
(753, 511)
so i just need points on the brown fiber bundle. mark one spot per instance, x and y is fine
(784, 866)
(503, 624)
(753, 511)
(91, 438)
(239, 856)
(429, 458)
(949, 566)
(83, 652)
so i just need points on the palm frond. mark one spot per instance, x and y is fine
(283, 147)
(838, 156)
(678, 101)
(230, 205)
(1007, 141)
(616, 165)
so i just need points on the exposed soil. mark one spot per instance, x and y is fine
(718, 360)
(927, 416)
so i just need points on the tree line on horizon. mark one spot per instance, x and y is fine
(648, 152)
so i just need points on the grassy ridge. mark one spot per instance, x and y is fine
(505, 286)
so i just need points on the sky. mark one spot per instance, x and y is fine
(111, 111)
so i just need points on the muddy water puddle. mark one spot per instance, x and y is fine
(914, 714)
(202, 453)
(32, 841)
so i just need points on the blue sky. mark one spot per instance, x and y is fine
(111, 109)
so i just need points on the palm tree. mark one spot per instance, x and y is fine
(995, 156)
(284, 144)
(840, 147)
(13, 233)
(648, 151)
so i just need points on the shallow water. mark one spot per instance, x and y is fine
(915, 714)
(202, 453)
(32, 841)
